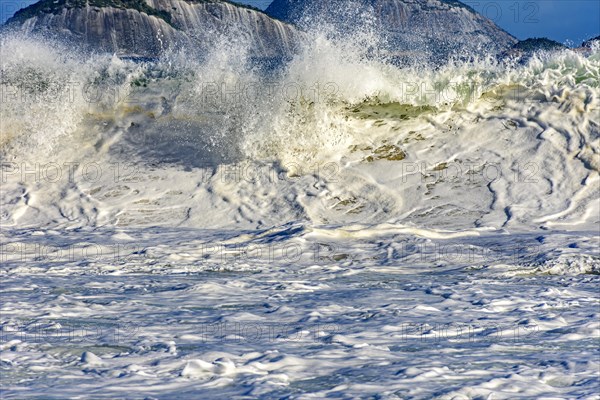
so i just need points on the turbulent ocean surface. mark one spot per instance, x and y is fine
(336, 226)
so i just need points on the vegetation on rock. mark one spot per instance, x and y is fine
(56, 7)
(536, 44)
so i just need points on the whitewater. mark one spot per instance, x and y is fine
(208, 226)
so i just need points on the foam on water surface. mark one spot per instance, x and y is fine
(339, 226)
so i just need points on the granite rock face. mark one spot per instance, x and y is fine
(145, 28)
(435, 29)
(412, 30)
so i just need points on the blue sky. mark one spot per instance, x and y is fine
(561, 20)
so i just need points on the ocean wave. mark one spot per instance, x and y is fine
(470, 143)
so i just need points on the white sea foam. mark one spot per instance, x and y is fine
(339, 225)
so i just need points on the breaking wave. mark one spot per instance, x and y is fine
(477, 143)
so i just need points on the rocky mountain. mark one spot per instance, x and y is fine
(588, 43)
(145, 28)
(432, 28)
(538, 44)
(524, 50)
(429, 30)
